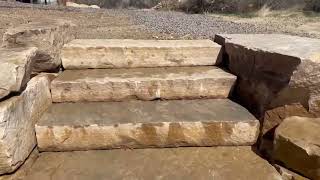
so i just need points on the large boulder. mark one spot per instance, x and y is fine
(278, 76)
(297, 145)
(48, 36)
(274, 70)
(16, 65)
(18, 116)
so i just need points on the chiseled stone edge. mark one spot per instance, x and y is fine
(17, 114)
(75, 55)
(143, 135)
(142, 89)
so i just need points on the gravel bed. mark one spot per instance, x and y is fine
(202, 25)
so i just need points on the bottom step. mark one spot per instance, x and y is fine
(141, 124)
(195, 163)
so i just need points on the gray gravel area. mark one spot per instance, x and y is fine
(194, 25)
(203, 25)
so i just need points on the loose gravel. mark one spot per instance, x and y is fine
(205, 25)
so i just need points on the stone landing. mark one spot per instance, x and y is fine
(218, 163)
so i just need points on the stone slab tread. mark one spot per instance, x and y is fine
(141, 124)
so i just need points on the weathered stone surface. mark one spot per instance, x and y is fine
(297, 145)
(273, 118)
(218, 163)
(48, 36)
(142, 83)
(16, 65)
(124, 53)
(288, 175)
(274, 70)
(22, 172)
(18, 116)
(141, 124)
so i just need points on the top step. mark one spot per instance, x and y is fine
(127, 53)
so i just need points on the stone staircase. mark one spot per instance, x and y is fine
(121, 109)
(146, 93)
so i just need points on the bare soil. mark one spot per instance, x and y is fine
(151, 24)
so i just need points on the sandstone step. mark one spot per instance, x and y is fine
(142, 83)
(141, 124)
(124, 53)
(205, 163)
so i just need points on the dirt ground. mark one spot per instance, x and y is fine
(96, 24)
(150, 24)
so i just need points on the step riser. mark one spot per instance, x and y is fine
(140, 135)
(142, 90)
(142, 84)
(84, 54)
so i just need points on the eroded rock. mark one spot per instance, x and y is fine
(273, 118)
(16, 66)
(18, 116)
(297, 145)
(48, 36)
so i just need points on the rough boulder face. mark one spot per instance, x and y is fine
(16, 66)
(18, 116)
(297, 145)
(48, 36)
(273, 118)
(278, 75)
(274, 70)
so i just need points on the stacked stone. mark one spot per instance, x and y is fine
(26, 49)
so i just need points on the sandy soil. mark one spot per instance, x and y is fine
(150, 24)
